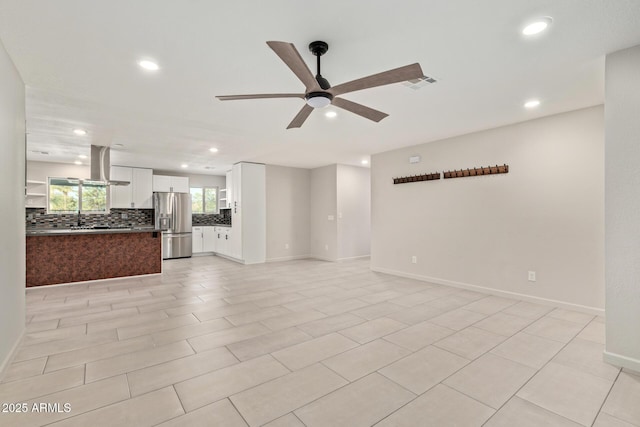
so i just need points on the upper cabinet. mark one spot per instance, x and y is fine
(170, 184)
(138, 194)
(229, 183)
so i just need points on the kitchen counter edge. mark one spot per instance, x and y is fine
(63, 232)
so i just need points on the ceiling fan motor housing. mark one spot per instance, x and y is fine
(318, 99)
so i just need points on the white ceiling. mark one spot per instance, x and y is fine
(79, 58)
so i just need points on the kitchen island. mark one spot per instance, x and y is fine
(55, 256)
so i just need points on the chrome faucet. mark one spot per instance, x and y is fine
(79, 223)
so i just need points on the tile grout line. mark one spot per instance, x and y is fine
(537, 372)
(606, 397)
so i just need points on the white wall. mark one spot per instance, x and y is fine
(288, 212)
(40, 171)
(324, 232)
(546, 215)
(12, 176)
(354, 211)
(198, 180)
(622, 208)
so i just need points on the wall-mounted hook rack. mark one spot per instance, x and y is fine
(417, 178)
(489, 170)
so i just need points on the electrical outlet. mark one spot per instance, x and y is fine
(124, 215)
(326, 247)
(532, 276)
(414, 259)
(286, 246)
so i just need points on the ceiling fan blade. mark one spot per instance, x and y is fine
(260, 96)
(289, 54)
(359, 109)
(299, 119)
(396, 75)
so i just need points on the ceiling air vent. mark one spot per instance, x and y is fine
(418, 83)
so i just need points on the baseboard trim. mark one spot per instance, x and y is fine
(85, 282)
(497, 292)
(289, 258)
(621, 361)
(12, 354)
(354, 258)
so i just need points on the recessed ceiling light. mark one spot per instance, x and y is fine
(532, 103)
(77, 162)
(365, 162)
(213, 150)
(80, 132)
(537, 26)
(330, 114)
(82, 156)
(148, 65)
(184, 166)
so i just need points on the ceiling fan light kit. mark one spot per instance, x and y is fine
(318, 91)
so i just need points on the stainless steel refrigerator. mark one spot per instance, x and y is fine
(173, 217)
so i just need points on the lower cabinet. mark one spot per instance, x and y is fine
(223, 237)
(203, 239)
(212, 239)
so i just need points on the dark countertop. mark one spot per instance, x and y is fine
(68, 231)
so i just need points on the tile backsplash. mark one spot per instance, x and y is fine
(224, 217)
(38, 218)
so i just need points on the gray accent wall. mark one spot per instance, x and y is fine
(354, 211)
(12, 176)
(324, 203)
(487, 232)
(288, 212)
(340, 212)
(622, 211)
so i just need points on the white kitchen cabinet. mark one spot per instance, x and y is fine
(203, 239)
(248, 213)
(229, 184)
(196, 240)
(170, 184)
(138, 194)
(223, 238)
(209, 239)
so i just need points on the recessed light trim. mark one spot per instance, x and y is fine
(148, 65)
(82, 156)
(213, 150)
(537, 26)
(365, 162)
(533, 103)
(80, 132)
(184, 166)
(330, 114)
(77, 162)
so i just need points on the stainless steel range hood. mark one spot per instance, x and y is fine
(101, 165)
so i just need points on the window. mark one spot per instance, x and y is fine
(204, 200)
(70, 195)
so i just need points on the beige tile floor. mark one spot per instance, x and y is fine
(307, 343)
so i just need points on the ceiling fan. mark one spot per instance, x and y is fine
(319, 93)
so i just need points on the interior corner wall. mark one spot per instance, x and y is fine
(354, 211)
(546, 215)
(323, 205)
(12, 176)
(288, 212)
(622, 208)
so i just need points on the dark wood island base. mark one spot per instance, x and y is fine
(77, 257)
